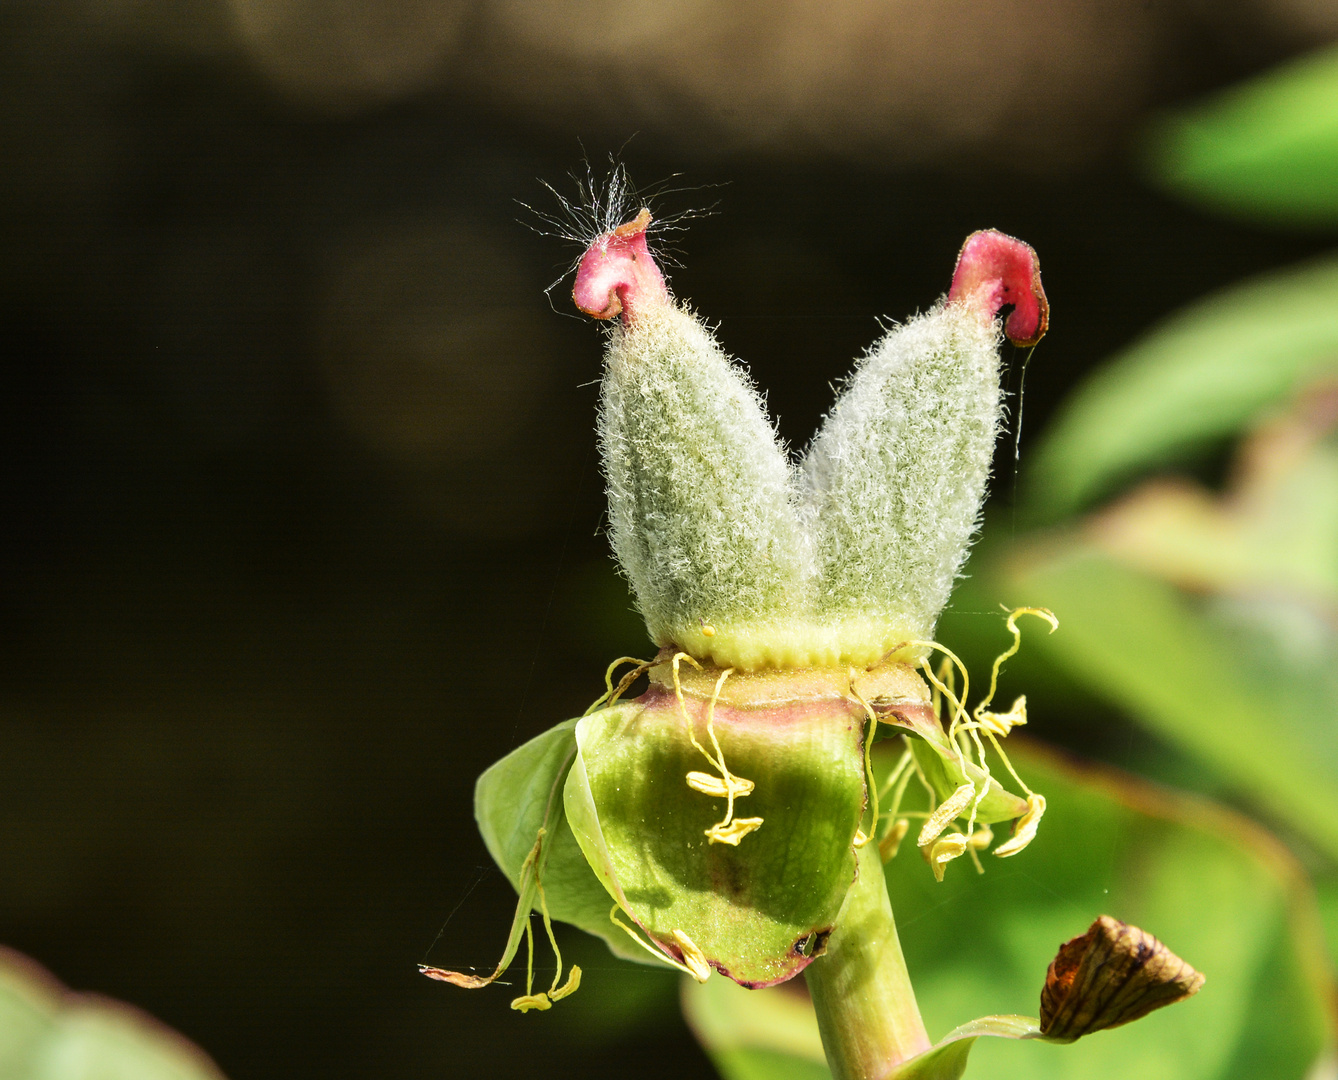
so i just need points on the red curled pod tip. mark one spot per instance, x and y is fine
(993, 271)
(617, 276)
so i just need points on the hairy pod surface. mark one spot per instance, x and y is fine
(718, 821)
(744, 558)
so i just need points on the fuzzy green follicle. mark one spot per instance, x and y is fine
(744, 558)
(700, 497)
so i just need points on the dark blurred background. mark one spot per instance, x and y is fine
(302, 511)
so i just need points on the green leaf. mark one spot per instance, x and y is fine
(946, 1060)
(1236, 697)
(49, 1033)
(1266, 149)
(1213, 886)
(1195, 379)
(517, 797)
(749, 908)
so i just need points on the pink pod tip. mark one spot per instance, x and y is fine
(617, 276)
(995, 270)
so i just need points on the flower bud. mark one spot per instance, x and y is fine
(1111, 975)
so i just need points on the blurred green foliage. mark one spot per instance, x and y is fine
(1210, 616)
(49, 1033)
(1194, 381)
(1206, 615)
(1216, 887)
(1266, 150)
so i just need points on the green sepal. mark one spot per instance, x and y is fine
(513, 800)
(943, 769)
(757, 910)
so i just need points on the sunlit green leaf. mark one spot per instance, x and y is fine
(1259, 714)
(1265, 149)
(947, 1060)
(512, 800)
(1197, 378)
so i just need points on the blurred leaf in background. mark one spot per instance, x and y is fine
(1208, 613)
(1212, 620)
(50, 1033)
(1266, 150)
(1201, 376)
(1221, 891)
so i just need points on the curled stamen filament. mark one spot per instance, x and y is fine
(612, 694)
(942, 690)
(544, 999)
(1000, 724)
(730, 830)
(964, 735)
(1044, 614)
(861, 838)
(897, 826)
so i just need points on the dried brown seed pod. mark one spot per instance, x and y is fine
(1109, 976)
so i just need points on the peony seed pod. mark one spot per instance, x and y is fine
(716, 822)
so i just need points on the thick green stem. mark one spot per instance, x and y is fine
(861, 990)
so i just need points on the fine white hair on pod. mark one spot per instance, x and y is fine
(600, 205)
(737, 556)
(700, 509)
(894, 480)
